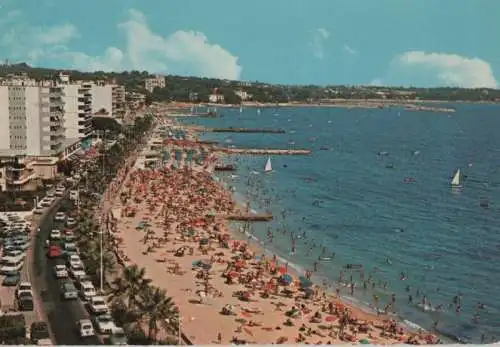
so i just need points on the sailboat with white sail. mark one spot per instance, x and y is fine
(241, 109)
(268, 167)
(456, 182)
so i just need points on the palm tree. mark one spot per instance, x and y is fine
(132, 282)
(160, 311)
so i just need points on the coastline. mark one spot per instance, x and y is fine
(176, 286)
(408, 105)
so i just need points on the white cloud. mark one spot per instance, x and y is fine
(349, 50)
(319, 36)
(448, 69)
(183, 52)
(56, 35)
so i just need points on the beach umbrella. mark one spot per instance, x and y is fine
(364, 342)
(287, 279)
(331, 319)
(282, 270)
(305, 282)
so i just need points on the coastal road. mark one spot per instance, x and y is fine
(62, 314)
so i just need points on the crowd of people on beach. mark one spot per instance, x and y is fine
(173, 222)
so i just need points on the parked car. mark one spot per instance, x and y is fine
(39, 334)
(85, 328)
(104, 324)
(70, 248)
(118, 337)
(74, 260)
(11, 280)
(11, 267)
(87, 290)
(54, 251)
(60, 217)
(97, 305)
(69, 291)
(61, 271)
(25, 302)
(71, 222)
(23, 288)
(77, 270)
(55, 234)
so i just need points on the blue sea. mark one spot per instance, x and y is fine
(376, 191)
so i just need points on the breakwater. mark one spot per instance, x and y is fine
(248, 217)
(265, 151)
(246, 130)
(229, 167)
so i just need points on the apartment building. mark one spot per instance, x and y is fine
(31, 126)
(155, 82)
(135, 100)
(77, 109)
(108, 100)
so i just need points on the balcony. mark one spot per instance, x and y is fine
(57, 102)
(21, 179)
(57, 130)
(56, 148)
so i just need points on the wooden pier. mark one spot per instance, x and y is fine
(229, 167)
(244, 217)
(265, 151)
(246, 130)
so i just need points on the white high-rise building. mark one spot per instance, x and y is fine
(77, 110)
(32, 118)
(31, 132)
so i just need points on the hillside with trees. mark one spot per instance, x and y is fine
(197, 89)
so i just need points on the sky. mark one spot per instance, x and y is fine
(355, 42)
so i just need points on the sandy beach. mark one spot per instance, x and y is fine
(171, 221)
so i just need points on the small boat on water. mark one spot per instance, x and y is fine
(268, 167)
(456, 182)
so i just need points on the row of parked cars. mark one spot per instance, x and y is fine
(76, 284)
(15, 242)
(50, 198)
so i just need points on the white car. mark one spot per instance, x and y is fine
(23, 288)
(55, 234)
(87, 290)
(61, 271)
(104, 324)
(71, 222)
(60, 191)
(51, 194)
(77, 271)
(85, 328)
(11, 266)
(97, 305)
(13, 254)
(46, 202)
(74, 260)
(60, 217)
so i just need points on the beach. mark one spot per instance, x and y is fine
(171, 221)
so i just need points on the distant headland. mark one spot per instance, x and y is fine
(227, 92)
